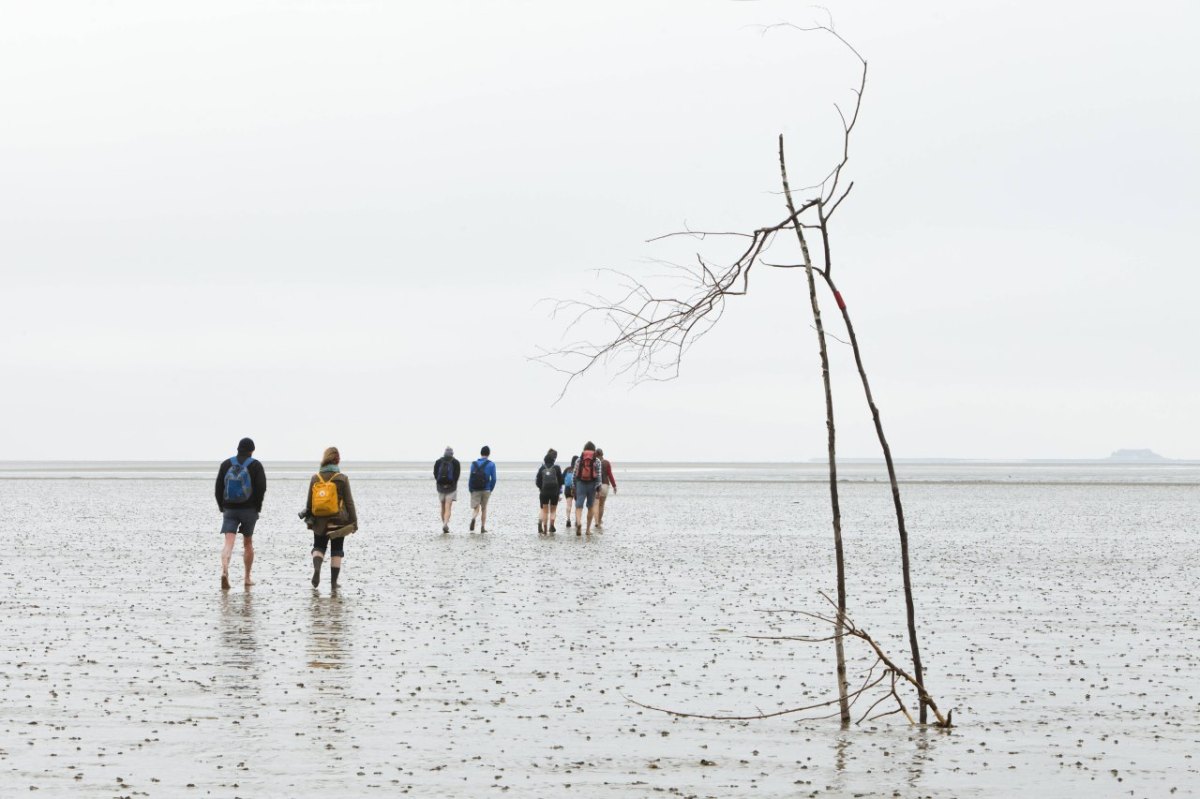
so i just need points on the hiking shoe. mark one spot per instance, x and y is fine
(568, 524)
(482, 529)
(445, 528)
(472, 527)
(553, 529)
(540, 530)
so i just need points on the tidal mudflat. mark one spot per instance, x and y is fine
(1058, 607)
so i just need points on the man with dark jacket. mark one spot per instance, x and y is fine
(446, 471)
(241, 485)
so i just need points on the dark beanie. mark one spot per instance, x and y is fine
(246, 445)
(485, 451)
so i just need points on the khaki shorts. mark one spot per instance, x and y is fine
(602, 491)
(479, 499)
(448, 496)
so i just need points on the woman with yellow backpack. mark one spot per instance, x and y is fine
(330, 514)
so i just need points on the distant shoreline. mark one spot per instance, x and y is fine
(422, 463)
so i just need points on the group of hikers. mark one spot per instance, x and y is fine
(586, 482)
(330, 514)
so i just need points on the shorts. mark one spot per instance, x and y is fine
(585, 493)
(239, 520)
(548, 498)
(479, 499)
(569, 491)
(603, 490)
(320, 542)
(448, 496)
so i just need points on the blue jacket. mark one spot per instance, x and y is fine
(489, 468)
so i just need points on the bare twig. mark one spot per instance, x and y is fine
(645, 333)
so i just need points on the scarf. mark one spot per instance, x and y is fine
(329, 468)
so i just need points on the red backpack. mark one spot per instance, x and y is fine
(586, 470)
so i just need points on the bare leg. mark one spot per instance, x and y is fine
(542, 526)
(591, 516)
(248, 556)
(600, 497)
(226, 555)
(483, 519)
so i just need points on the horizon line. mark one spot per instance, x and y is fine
(805, 462)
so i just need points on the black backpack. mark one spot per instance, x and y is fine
(446, 472)
(549, 479)
(479, 479)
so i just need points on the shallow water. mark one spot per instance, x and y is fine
(1057, 603)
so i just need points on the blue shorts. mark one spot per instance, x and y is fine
(239, 520)
(585, 492)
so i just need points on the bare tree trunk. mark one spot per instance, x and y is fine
(839, 627)
(918, 671)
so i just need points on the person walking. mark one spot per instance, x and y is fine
(330, 514)
(606, 481)
(587, 479)
(481, 482)
(569, 487)
(549, 481)
(446, 471)
(241, 485)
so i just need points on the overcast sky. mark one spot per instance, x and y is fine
(328, 223)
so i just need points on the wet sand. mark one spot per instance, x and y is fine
(1059, 622)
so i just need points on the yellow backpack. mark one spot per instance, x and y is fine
(324, 497)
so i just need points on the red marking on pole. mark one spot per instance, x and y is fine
(837, 295)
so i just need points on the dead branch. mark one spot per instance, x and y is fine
(645, 332)
(760, 714)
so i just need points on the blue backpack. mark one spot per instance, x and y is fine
(238, 487)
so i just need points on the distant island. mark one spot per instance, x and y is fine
(1138, 455)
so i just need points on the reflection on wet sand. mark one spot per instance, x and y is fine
(839, 753)
(240, 659)
(327, 627)
(330, 691)
(922, 748)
